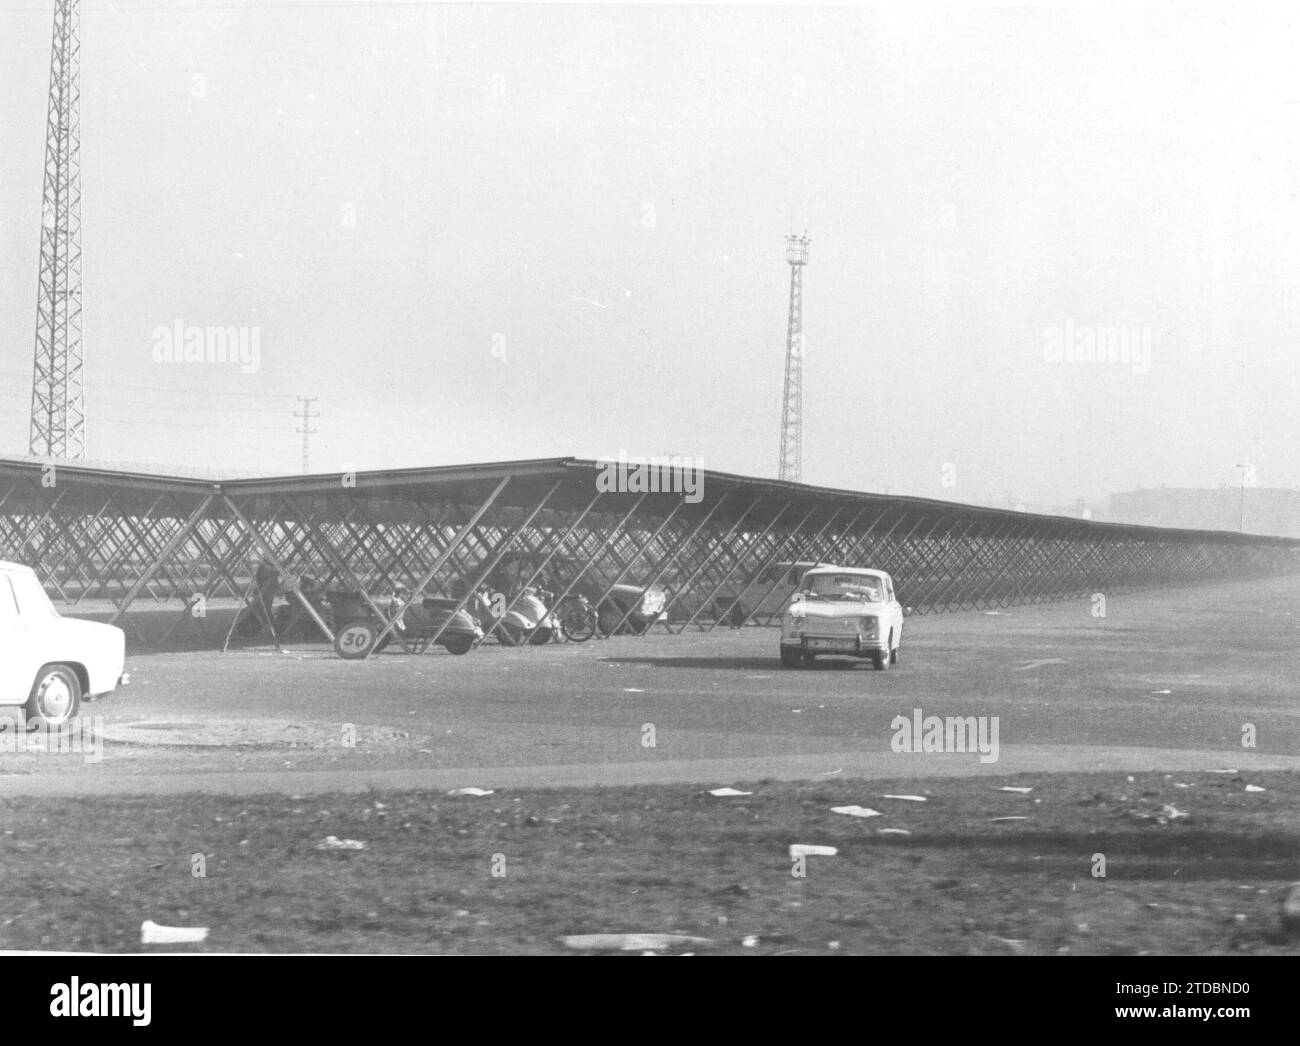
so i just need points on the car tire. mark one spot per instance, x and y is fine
(539, 637)
(56, 696)
(459, 645)
(880, 662)
(607, 619)
(792, 659)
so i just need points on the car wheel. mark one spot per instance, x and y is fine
(539, 636)
(881, 661)
(791, 658)
(459, 645)
(894, 656)
(607, 619)
(55, 697)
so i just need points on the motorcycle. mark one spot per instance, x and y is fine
(357, 626)
(528, 621)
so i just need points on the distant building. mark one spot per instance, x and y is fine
(1267, 510)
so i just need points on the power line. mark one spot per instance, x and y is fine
(187, 424)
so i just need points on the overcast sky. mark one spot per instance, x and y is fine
(495, 232)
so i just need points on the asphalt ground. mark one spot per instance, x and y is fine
(1166, 680)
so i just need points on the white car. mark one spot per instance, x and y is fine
(842, 611)
(48, 663)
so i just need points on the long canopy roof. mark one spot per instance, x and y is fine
(80, 485)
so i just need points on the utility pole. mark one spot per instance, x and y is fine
(306, 417)
(1241, 510)
(58, 421)
(796, 254)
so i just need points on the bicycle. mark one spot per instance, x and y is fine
(577, 618)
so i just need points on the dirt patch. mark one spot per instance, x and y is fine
(249, 733)
(1193, 864)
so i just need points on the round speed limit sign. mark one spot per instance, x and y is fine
(354, 641)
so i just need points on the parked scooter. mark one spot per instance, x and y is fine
(528, 620)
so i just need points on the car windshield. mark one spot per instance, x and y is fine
(32, 600)
(843, 586)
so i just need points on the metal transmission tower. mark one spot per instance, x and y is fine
(58, 391)
(796, 253)
(306, 417)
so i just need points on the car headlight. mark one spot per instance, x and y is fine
(868, 624)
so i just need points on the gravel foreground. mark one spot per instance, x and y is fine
(1194, 863)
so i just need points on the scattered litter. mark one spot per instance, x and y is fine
(333, 842)
(1223, 771)
(1013, 788)
(1162, 691)
(796, 711)
(909, 798)
(1180, 784)
(1009, 818)
(152, 933)
(809, 850)
(749, 942)
(993, 613)
(892, 831)
(1254, 788)
(758, 677)
(1028, 665)
(632, 690)
(631, 942)
(1017, 947)
(470, 791)
(832, 773)
(1291, 910)
(1172, 812)
(728, 791)
(856, 811)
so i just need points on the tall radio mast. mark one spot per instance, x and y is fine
(58, 425)
(796, 253)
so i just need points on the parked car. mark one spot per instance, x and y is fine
(49, 663)
(738, 601)
(843, 611)
(356, 627)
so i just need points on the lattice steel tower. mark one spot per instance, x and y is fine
(58, 393)
(796, 253)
